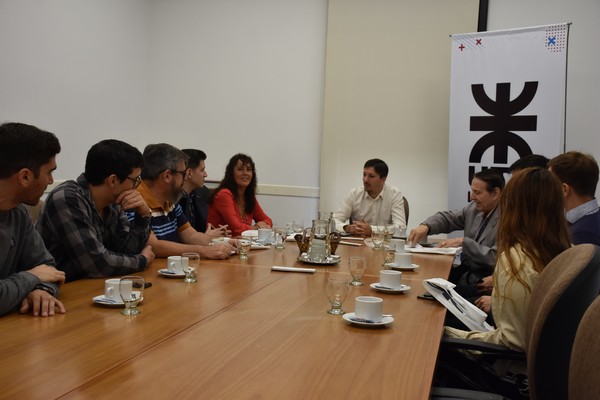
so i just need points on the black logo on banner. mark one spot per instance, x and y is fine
(500, 124)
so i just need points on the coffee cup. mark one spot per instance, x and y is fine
(403, 259)
(112, 291)
(265, 235)
(175, 264)
(390, 279)
(399, 243)
(368, 308)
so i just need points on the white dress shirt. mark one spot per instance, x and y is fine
(387, 207)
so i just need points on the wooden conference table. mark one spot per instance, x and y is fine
(241, 332)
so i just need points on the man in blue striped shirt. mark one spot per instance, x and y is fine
(163, 176)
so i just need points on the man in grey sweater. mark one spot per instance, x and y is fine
(28, 280)
(479, 220)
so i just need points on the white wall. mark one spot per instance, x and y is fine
(224, 76)
(583, 84)
(76, 68)
(387, 89)
(243, 76)
(233, 75)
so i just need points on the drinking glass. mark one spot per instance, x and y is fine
(357, 266)
(245, 246)
(280, 236)
(289, 228)
(337, 290)
(390, 254)
(388, 233)
(298, 226)
(377, 237)
(131, 289)
(190, 263)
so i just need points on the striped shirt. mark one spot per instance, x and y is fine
(167, 219)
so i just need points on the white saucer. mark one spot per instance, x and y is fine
(251, 233)
(165, 272)
(102, 300)
(385, 321)
(411, 267)
(260, 246)
(403, 288)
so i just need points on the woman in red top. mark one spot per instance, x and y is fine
(234, 201)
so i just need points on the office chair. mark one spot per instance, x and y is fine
(584, 379)
(564, 290)
(406, 210)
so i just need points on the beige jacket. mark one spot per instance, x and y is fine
(510, 300)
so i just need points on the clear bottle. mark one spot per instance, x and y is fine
(319, 248)
(328, 215)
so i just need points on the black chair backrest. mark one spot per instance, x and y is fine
(564, 291)
(584, 376)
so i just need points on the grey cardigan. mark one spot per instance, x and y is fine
(478, 256)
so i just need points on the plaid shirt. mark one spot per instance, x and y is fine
(83, 244)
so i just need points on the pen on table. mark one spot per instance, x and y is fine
(292, 269)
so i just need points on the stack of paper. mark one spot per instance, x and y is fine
(467, 312)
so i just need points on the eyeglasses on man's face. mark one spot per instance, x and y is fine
(183, 173)
(136, 181)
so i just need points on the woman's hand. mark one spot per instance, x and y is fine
(484, 303)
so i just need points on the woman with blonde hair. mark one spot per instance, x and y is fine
(532, 231)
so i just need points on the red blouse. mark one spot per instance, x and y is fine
(223, 211)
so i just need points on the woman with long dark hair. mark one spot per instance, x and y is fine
(234, 201)
(532, 231)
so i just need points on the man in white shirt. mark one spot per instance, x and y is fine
(370, 204)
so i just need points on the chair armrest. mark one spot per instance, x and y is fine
(440, 393)
(487, 349)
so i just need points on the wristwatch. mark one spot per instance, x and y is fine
(45, 288)
(428, 227)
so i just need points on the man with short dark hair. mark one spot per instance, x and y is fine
(478, 220)
(371, 203)
(163, 176)
(83, 222)
(530, 160)
(196, 197)
(578, 173)
(28, 279)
